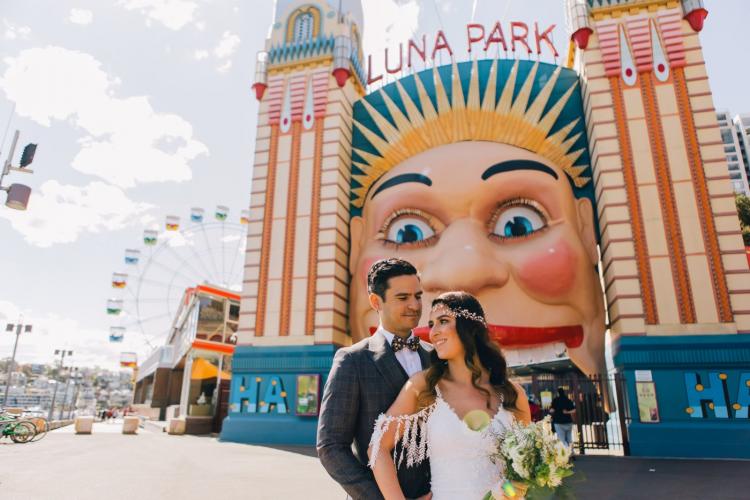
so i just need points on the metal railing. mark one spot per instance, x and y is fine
(602, 415)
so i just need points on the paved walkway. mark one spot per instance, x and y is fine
(107, 465)
(629, 478)
(154, 466)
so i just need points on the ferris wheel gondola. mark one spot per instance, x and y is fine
(172, 259)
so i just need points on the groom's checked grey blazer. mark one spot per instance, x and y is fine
(364, 381)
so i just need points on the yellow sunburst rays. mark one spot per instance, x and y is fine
(465, 117)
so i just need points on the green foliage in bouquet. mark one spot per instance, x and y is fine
(533, 456)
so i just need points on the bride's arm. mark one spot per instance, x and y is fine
(523, 411)
(383, 466)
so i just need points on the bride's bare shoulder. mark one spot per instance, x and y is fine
(418, 381)
(419, 388)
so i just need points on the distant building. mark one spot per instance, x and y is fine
(742, 127)
(735, 148)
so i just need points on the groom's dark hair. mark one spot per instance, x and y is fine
(383, 270)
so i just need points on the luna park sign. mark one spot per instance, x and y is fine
(516, 37)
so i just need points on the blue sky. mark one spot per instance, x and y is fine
(143, 108)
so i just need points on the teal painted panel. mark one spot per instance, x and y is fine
(703, 392)
(262, 398)
(683, 350)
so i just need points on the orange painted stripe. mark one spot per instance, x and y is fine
(218, 292)
(291, 228)
(672, 230)
(700, 186)
(634, 205)
(265, 247)
(207, 345)
(312, 263)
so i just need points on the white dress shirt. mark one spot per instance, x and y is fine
(408, 359)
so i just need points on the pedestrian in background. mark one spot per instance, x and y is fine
(562, 411)
(536, 410)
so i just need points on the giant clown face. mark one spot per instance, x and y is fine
(498, 221)
(507, 229)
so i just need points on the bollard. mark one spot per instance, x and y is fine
(176, 426)
(84, 425)
(130, 425)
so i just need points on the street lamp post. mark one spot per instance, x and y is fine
(71, 371)
(19, 327)
(18, 194)
(62, 353)
(72, 406)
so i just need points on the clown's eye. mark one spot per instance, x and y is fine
(409, 230)
(408, 227)
(517, 219)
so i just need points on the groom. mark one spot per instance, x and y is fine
(365, 380)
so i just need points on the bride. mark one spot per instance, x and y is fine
(468, 375)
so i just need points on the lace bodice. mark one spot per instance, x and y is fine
(459, 457)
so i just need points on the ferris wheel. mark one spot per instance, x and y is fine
(146, 293)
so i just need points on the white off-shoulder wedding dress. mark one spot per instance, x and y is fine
(460, 463)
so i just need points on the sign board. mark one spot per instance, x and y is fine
(308, 390)
(648, 408)
(643, 376)
(516, 37)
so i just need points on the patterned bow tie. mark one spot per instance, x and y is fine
(399, 343)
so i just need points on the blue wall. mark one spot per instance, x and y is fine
(262, 401)
(702, 389)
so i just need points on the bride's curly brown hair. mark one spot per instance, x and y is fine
(476, 341)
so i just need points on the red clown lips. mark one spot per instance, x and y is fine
(525, 336)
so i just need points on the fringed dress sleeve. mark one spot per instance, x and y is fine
(410, 433)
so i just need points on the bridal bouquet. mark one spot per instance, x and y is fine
(532, 457)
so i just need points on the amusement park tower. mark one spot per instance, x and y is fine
(676, 276)
(294, 297)
(306, 81)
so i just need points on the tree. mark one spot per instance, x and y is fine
(743, 212)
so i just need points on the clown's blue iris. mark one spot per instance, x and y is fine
(518, 226)
(409, 234)
(518, 220)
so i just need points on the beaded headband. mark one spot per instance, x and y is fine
(463, 313)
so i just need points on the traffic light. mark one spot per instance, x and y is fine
(28, 155)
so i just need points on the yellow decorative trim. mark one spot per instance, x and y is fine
(305, 9)
(300, 65)
(599, 13)
(513, 120)
(571, 54)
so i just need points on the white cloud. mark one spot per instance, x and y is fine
(227, 45)
(224, 67)
(389, 22)
(81, 16)
(174, 14)
(13, 32)
(59, 213)
(90, 345)
(223, 52)
(126, 141)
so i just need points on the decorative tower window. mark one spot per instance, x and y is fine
(304, 24)
(303, 27)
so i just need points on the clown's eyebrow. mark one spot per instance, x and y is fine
(401, 179)
(509, 166)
